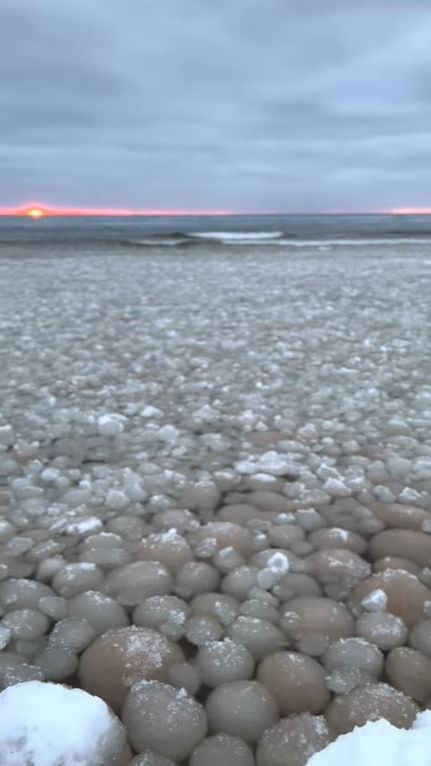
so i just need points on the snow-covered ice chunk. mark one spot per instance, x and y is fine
(47, 724)
(110, 424)
(375, 601)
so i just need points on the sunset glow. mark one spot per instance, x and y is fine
(37, 211)
(411, 211)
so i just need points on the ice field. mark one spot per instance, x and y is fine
(215, 506)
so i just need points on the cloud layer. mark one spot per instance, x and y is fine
(297, 105)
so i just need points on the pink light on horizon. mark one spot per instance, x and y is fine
(410, 211)
(37, 210)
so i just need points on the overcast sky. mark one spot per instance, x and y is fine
(284, 105)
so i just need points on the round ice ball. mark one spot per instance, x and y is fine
(312, 622)
(221, 661)
(297, 682)
(149, 758)
(222, 749)
(132, 583)
(241, 708)
(120, 657)
(101, 611)
(384, 629)
(406, 595)
(292, 741)
(369, 703)
(357, 653)
(163, 718)
(46, 724)
(22, 594)
(77, 578)
(410, 672)
(259, 636)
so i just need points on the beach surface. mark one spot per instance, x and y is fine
(215, 475)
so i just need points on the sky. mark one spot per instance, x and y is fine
(251, 105)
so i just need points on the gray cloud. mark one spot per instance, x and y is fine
(242, 104)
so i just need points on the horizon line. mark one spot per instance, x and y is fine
(40, 210)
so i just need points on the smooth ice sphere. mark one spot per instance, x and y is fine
(260, 637)
(354, 653)
(200, 629)
(221, 661)
(297, 682)
(100, 611)
(239, 581)
(168, 548)
(338, 567)
(75, 635)
(312, 622)
(184, 675)
(196, 577)
(168, 434)
(225, 608)
(168, 614)
(380, 742)
(406, 595)
(384, 629)
(117, 499)
(120, 657)
(110, 424)
(151, 412)
(45, 724)
(22, 594)
(163, 718)
(57, 663)
(26, 623)
(149, 758)
(420, 637)
(76, 578)
(241, 708)
(416, 546)
(223, 534)
(50, 474)
(222, 749)
(132, 583)
(292, 741)
(410, 671)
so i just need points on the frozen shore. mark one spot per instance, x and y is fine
(215, 507)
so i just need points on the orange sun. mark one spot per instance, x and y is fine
(35, 212)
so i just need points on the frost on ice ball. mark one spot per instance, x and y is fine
(292, 741)
(45, 724)
(222, 749)
(120, 657)
(163, 718)
(369, 703)
(241, 708)
(296, 681)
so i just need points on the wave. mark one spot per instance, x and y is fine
(269, 239)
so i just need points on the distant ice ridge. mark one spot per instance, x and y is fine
(378, 742)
